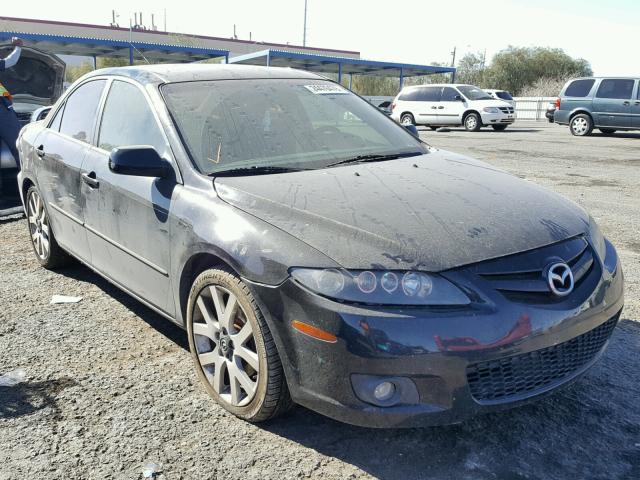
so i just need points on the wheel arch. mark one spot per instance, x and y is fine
(578, 111)
(468, 112)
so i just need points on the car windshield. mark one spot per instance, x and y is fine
(271, 125)
(474, 93)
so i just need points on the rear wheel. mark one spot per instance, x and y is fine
(608, 131)
(44, 243)
(581, 125)
(232, 348)
(472, 122)
(407, 119)
(499, 128)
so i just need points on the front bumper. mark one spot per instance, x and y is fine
(438, 350)
(497, 118)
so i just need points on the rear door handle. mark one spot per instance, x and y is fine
(90, 179)
(434, 107)
(440, 108)
(40, 151)
(637, 103)
(626, 103)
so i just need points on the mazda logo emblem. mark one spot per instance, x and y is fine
(560, 279)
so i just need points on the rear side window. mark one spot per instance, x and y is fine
(612, 88)
(137, 127)
(80, 110)
(504, 95)
(410, 95)
(579, 88)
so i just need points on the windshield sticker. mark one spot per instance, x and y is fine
(324, 89)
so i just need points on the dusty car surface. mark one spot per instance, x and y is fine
(315, 251)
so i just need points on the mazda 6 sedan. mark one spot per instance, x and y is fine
(315, 251)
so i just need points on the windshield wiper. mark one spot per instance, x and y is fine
(373, 158)
(255, 170)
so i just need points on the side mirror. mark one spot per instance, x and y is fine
(139, 161)
(413, 130)
(459, 98)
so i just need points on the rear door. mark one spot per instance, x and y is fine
(427, 102)
(635, 108)
(126, 217)
(60, 152)
(450, 109)
(612, 103)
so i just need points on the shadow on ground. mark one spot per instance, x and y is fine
(29, 397)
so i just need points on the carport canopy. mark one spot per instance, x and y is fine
(338, 65)
(102, 47)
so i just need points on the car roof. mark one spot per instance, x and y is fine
(167, 73)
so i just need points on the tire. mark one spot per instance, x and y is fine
(581, 125)
(407, 119)
(608, 131)
(472, 122)
(259, 394)
(499, 128)
(433, 127)
(43, 241)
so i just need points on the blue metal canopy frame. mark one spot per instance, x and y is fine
(101, 47)
(338, 65)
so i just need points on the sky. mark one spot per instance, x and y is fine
(603, 32)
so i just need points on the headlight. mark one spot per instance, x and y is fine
(597, 239)
(381, 287)
(491, 109)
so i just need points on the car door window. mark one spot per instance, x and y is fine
(617, 89)
(55, 123)
(137, 127)
(429, 94)
(579, 88)
(449, 94)
(411, 95)
(80, 111)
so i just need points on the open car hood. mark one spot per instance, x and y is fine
(37, 78)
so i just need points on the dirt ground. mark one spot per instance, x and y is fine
(110, 386)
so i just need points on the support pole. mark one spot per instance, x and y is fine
(340, 73)
(350, 81)
(268, 59)
(130, 54)
(401, 78)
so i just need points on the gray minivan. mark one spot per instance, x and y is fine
(608, 104)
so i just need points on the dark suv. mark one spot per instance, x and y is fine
(608, 104)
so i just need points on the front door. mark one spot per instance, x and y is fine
(612, 103)
(60, 150)
(127, 217)
(451, 107)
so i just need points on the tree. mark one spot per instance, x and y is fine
(515, 68)
(471, 69)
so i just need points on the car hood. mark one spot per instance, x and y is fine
(432, 212)
(37, 78)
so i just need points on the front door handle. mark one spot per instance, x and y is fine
(637, 103)
(626, 103)
(90, 179)
(40, 151)
(440, 108)
(434, 107)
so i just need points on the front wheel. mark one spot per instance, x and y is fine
(499, 128)
(44, 243)
(407, 119)
(581, 125)
(232, 348)
(472, 122)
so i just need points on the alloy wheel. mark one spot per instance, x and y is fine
(580, 125)
(225, 345)
(471, 122)
(38, 225)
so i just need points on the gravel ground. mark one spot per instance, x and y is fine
(109, 384)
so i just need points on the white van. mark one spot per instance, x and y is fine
(451, 105)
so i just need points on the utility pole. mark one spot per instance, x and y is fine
(304, 31)
(165, 19)
(453, 64)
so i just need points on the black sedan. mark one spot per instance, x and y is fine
(315, 251)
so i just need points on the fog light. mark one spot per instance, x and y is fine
(384, 391)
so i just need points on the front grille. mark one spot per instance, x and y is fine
(525, 375)
(521, 277)
(509, 110)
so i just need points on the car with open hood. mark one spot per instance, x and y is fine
(35, 82)
(315, 251)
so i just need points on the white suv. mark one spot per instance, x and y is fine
(451, 104)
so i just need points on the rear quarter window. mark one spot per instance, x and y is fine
(579, 88)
